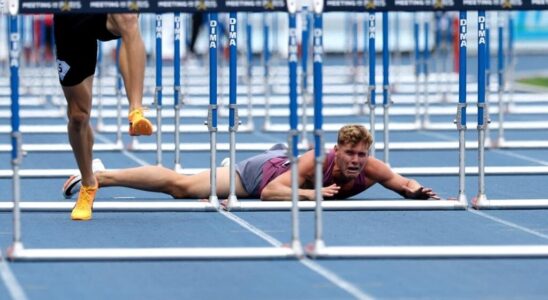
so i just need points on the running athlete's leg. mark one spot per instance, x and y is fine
(132, 55)
(79, 129)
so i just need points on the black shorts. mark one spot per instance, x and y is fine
(76, 38)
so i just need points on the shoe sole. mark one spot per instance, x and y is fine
(68, 186)
(80, 219)
(141, 127)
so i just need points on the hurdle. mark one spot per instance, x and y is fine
(158, 91)
(249, 72)
(417, 70)
(461, 108)
(371, 95)
(18, 252)
(266, 71)
(319, 249)
(511, 63)
(233, 116)
(119, 85)
(500, 70)
(353, 23)
(99, 79)
(425, 60)
(305, 96)
(386, 96)
(177, 95)
(481, 201)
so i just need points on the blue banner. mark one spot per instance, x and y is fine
(159, 6)
(149, 6)
(432, 5)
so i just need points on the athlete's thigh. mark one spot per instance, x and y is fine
(223, 183)
(79, 96)
(199, 186)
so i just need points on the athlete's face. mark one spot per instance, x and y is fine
(351, 159)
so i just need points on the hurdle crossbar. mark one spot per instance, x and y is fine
(133, 254)
(114, 128)
(411, 126)
(464, 251)
(410, 171)
(244, 205)
(332, 127)
(340, 99)
(280, 112)
(404, 146)
(113, 206)
(511, 204)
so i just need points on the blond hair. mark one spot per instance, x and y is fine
(354, 134)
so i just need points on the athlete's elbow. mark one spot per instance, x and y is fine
(266, 194)
(270, 193)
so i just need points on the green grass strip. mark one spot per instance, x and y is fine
(537, 81)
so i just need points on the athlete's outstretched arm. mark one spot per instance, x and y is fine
(378, 171)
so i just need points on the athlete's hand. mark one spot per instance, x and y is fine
(422, 193)
(330, 191)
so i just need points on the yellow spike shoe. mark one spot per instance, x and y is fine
(138, 124)
(83, 209)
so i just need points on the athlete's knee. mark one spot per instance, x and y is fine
(177, 188)
(78, 119)
(125, 24)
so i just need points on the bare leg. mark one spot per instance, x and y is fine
(148, 178)
(79, 129)
(132, 55)
(160, 179)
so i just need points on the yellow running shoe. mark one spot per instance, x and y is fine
(138, 124)
(84, 205)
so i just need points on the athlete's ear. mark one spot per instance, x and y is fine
(336, 147)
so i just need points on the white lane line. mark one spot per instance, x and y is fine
(325, 273)
(502, 152)
(263, 235)
(520, 156)
(510, 224)
(14, 288)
